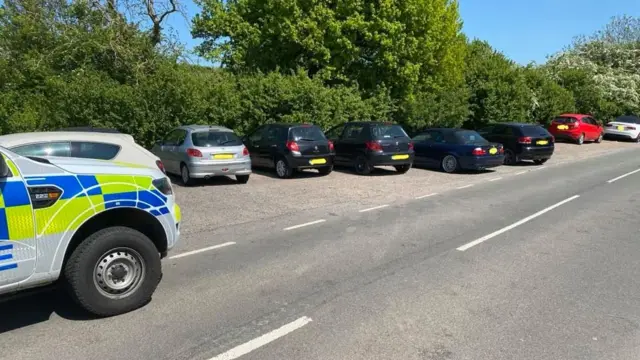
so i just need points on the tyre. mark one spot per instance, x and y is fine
(283, 170)
(185, 176)
(580, 140)
(449, 164)
(242, 179)
(402, 169)
(599, 139)
(638, 138)
(510, 157)
(540, 161)
(113, 271)
(324, 171)
(362, 166)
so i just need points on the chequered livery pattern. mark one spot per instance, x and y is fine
(85, 195)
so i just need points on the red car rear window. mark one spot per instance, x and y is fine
(564, 120)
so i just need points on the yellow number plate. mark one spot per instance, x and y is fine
(493, 151)
(318, 161)
(563, 127)
(223, 156)
(621, 128)
(399, 157)
(542, 142)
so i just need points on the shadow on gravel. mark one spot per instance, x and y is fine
(214, 181)
(377, 171)
(298, 174)
(459, 172)
(37, 306)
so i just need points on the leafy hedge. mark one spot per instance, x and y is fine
(74, 64)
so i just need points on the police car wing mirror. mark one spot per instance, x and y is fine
(4, 168)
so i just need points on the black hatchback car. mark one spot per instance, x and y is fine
(365, 145)
(521, 141)
(290, 147)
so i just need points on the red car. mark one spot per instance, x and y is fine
(576, 128)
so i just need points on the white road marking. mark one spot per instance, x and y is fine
(374, 208)
(426, 196)
(188, 253)
(623, 176)
(516, 224)
(263, 340)
(495, 179)
(538, 168)
(521, 172)
(305, 224)
(466, 186)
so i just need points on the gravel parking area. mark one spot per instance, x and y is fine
(221, 201)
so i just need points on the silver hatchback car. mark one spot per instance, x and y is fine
(202, 151)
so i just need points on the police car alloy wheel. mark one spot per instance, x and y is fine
(113, 271)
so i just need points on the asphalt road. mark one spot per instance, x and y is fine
(549, 271)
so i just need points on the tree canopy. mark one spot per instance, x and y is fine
(113, 64)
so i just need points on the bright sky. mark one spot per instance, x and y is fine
(524, 30)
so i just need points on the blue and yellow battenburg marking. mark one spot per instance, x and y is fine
(6, 257)
(84, 195)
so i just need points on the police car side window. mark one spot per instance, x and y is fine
(93, 150)
(62, 149)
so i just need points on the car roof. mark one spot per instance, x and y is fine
(91, 129)
(290, 125)
(196, 127)
(446, 129)
(517, 124)
(573, 115)
(11, 140)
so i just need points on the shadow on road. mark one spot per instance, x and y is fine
(35, 307)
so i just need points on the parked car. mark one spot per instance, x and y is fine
(456, 149)
(576, 128)
(99, 145)
(365, 145)
(623, 128)
(290, 147)
(521, 141)
(202, 152)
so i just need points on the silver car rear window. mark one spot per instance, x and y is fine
(215, 138)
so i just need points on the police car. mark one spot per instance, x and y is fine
(98, 226)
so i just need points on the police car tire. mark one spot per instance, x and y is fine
(79, 271)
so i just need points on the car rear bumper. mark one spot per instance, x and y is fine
(622, 135)
(391, 159)
(566, 135)
(536, 153)
(307, 162)
(202, 170)
(481, 162)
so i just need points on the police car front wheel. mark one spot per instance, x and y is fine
(113, 271)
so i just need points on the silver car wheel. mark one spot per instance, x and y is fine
(281, 168)
(119, 273)
(185, 175)
(449, 163)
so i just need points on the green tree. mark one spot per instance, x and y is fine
(498, 87)
(404, 46)
(549, 99)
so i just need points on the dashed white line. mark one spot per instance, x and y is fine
(464, 187)
(520, 173)
(374, 208)
(305, 224)
(516, 224)
(263, 340)
(188, 253)
(623, 176)
(538, 168)
(495, 179)
(426, 196)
